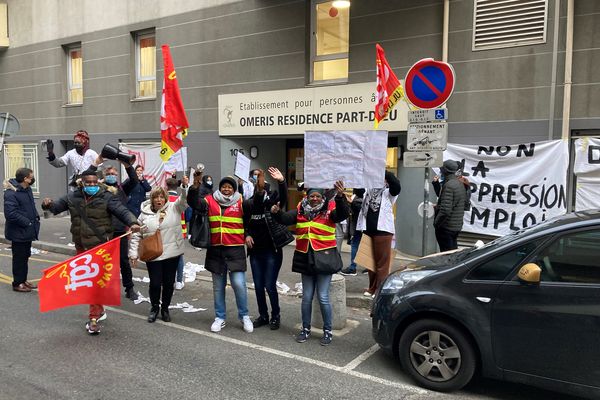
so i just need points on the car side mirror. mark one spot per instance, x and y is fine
(530, 273)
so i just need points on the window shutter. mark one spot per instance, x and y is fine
(509, 23)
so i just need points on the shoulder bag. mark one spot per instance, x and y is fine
(151, 246)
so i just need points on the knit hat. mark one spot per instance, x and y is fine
(230, 180)
(320, 191)
(88, 172)
(450, 167)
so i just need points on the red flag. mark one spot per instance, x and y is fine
(92, 277)
(389, 90)
(173, 121)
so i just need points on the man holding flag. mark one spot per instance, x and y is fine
(389, 90)
(92, 277)
(173, 121)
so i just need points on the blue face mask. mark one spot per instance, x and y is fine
(110, 179)
(255, 177)
(208, 183)
(91, 190)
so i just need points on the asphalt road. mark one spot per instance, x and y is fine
(50, 356)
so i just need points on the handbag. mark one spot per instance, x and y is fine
(200, 231)
(151, 247)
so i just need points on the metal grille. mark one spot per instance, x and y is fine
(18, 156)
(509, 23)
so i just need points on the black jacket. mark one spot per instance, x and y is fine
(22, 219)
(99, 210)
(317, 262)
(450, 208)
(136, 192)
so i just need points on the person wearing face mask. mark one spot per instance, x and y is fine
(79, 158)
(450, 209)
(91, 208)
(316, 257)
(22, 225)
(111, 182)
(136, 187)
(247, 188)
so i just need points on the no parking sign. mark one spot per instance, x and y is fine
(429, 83)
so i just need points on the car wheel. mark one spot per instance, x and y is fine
(437, 355)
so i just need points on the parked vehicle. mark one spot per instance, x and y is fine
(523, 308)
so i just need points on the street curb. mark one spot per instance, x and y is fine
(51, 247)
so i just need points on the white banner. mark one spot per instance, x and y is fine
(587, 155)
(514, 186)
(155, 171)
(355, 157)
(587, 193)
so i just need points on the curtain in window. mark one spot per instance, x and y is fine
(147, 66)
(76, 77)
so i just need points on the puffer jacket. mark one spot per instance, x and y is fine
(170, 228)
(22, 219)
(99, 210)
(450, 208)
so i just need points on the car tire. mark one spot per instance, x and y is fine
(437, 354)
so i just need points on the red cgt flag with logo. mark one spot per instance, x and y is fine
(92, 277)
(173, 121)
(389, 89)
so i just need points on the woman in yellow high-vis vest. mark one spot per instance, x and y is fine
(316, 256)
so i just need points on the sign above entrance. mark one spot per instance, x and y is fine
(294, 111)
(429, 83)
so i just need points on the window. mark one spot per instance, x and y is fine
(74, 75)
(330, 41)
(18, 156)
(572, 258)
(498, 268)
(145, 65)
(509, 23)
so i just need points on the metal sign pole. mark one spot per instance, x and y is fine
(425, 211)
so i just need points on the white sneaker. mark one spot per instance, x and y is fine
(367, 294)
(179, 285)
(218, 325)
(248, 325)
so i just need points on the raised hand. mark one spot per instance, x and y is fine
(275, 208)
(276, 174)
(339, 187)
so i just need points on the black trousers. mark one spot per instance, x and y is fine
(447, 240)
(162, 276)
(21, 251)
(126, 274)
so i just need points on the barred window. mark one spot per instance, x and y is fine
(21, 155)
(509, 23)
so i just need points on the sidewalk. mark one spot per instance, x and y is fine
(55, 237)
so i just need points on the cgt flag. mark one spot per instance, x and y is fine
(92, 277)
(389, 90)
(173, 121)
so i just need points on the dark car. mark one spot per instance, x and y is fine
(523, 308)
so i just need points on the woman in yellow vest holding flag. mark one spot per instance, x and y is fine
(316, 256)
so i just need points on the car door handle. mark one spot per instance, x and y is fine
(484, 299)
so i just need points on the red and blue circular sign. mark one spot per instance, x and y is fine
(429, 83)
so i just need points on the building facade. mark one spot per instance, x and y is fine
(69, 65)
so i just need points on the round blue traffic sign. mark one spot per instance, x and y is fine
(429, 83)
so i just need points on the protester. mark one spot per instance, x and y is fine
(111, 180)
(247, 188)
(450, 209)
(316, 256)
(159, 213)
(226, 254)
(172, 185)
(354, 234)
(91, 208)
(22, 225)
(136, 190)
(79, 158)
(265, 239)
(376, 219)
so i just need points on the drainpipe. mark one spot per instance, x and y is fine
(568, 71)
(445, 30)
(554, 64)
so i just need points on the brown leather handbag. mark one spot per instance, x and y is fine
(151, 246)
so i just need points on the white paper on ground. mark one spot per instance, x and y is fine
(141, 299)
(282, 287)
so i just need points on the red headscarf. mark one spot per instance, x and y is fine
(85, 138)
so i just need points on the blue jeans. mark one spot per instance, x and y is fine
(238, 282)
(265, 264)
(321, 283)
(354, 249)
(179, 277)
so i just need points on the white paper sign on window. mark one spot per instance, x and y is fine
(513, 186)
(355, 157)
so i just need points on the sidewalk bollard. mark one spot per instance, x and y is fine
(337, 298)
